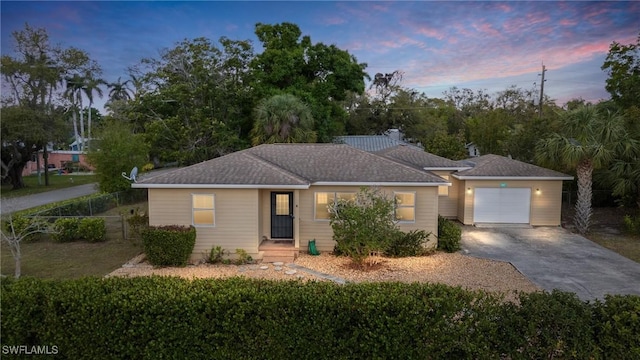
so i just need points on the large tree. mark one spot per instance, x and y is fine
(32, 74)
(282, 119)
(117, 150)
(194, 105)
(320, 75)
(588, 139)
(91, 86)
(623, 66)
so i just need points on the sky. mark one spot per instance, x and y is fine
(436, 44)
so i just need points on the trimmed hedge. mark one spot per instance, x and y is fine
(154, 317)
(449, 235)
(92, 229)
(66, 229)
(168, 245)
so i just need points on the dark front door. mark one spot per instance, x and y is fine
(282, 215)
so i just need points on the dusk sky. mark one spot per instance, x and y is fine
(478, 45)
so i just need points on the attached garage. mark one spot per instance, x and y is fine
(499, 190)
(502, 205)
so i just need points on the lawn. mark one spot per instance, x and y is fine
(624, 244)
(55, 182)
(608, 230)
(51, 260)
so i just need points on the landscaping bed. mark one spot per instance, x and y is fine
(451, 269)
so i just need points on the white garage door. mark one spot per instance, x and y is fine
(502, 205)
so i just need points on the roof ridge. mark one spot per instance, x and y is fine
(398, 162)
(276, 166)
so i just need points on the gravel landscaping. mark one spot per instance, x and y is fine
(451, 269)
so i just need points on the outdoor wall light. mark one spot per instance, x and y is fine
(468, 190)
(538, 191)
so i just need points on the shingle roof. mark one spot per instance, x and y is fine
(419, 158)
(500, 166)
(295, 165)
(371, 143)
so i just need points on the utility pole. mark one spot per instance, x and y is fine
(544, 69)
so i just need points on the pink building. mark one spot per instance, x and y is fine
(57, 159)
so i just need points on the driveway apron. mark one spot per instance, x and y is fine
(554, 258)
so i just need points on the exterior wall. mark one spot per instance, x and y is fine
(237, 217)
(426, 214)
(546, 206)
(448, 205)
(56, 158)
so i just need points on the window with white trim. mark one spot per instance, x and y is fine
(443, 190)
(203, 209)
(405, 206)
(324, 200)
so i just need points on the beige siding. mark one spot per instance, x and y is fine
(236, 217)
(546, 205)
(448, 205)
(426, 214)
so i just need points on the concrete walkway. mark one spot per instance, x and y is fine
(554, 258)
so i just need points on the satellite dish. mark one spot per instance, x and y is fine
(132, 176)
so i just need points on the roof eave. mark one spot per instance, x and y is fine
(463, 177)
(382, 183)
(217, 186)
(446, 168)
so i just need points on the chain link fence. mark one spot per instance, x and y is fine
(95, 206)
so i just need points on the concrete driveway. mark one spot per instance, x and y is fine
(554, 258)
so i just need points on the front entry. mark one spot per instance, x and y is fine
(282, 215)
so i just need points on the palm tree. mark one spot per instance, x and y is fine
(588, 139)
(74, 87)
(282, 119)
(119, 90)
(92, 85)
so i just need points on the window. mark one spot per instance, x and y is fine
(326, 199)
(443, 190)
(282, 204)
(203, 209)
(405, 209)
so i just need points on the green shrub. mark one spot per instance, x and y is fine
(617, 326)
(216, 255)
(162, 317)
(363, 225)
(449, 235)
(168, 245)
(66, 229)
(242, 257)
(137, 222)
(92, 229)
(632, 224)
(408, 244)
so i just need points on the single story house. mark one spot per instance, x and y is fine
(282, 192)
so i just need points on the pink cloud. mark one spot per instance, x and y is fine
(567, 22)
(487, 29)
(432, 33)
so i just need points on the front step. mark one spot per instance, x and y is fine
(285, 256)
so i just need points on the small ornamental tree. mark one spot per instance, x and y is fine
(363, 225)
(15, 229)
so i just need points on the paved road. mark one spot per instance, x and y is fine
(554, 258)
(29, 201)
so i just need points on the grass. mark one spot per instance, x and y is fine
(624, 244)
(51, 260)
(55, 182)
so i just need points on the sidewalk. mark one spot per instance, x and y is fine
(29, 201)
